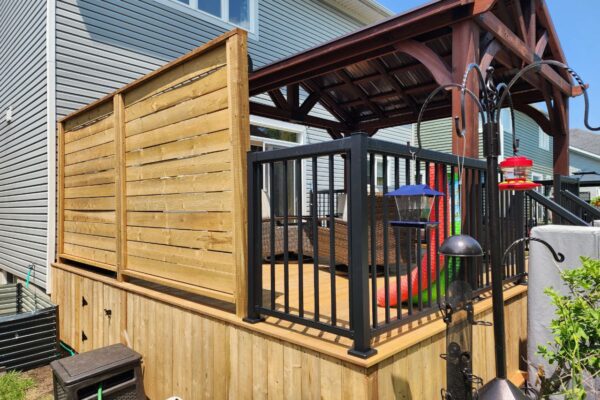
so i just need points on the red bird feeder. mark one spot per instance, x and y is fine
(516, 171)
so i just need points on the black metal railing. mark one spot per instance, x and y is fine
(358, 277)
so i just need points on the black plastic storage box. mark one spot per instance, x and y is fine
(28, 328)
(114, 370)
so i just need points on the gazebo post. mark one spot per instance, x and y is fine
(465, 50)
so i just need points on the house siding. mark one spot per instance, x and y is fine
(23, 148)
(101, 46)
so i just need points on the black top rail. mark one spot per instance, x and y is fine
(556, 209)
(586, 211)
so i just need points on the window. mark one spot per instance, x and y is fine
(544, 140)
(240, 13)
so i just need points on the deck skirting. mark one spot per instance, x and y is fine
(198, 351)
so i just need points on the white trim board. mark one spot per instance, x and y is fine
(51, 136)
(585, 153)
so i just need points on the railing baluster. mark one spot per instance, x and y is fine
(455, 261)
(386, 266)
(373, 241)
(436, 246)
(397, 235)
(428, 239)
(315, 230)
(299, 212)
(332, 242)
(286, 255)
(272, 230)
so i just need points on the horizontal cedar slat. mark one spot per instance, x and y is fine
(103, 256)
(212, 162)
(96, 178)
(106, 190)
(218, 201)
(91, 203)
(208, 84)
(189, 109)
(202, 144)
(103, 217)
(99, 126)
(92, 166)
(203, 183)
(220, 241)
(211, 221)
(91, 228)
(209, 60)
(204, 259)
(103, 150)
(95, 242)
(214, 280)
(213, 122)
(87, 142)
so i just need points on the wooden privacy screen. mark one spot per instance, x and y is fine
(154, 175)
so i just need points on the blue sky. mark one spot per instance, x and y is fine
(578, 25)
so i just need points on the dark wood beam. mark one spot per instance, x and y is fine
(435, 111)
(430, 59)
(392, 71)
(540, 46)
(488, 56)
(392, 81)
(293, 96)
(334, 133)
(327, 102)
(539, 117)
(308, 104)
(490, 22)
(520, 20)
(267, 111)
(360, 93)
(279, 99)
(370, 42)
(532, 24)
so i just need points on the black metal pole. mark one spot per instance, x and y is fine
(491, 148)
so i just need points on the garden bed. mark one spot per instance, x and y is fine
(28, 328)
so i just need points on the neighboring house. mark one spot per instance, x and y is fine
(59, 55)
(584, 156)
(533, 141)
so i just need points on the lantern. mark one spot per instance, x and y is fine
(516, 171)
(414, 202)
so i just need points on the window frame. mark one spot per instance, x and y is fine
(192, 9)
(543, 140)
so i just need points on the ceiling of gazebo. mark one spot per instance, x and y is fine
(380, 76)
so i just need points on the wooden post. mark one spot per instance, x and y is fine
(465, 50)
(120, 185)
(560, 130)
(60, 222)
(239, 114)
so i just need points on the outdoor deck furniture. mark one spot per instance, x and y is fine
(278, 233)
(341, 235)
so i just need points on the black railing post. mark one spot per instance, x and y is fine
(521, 230)
(359, 267)
(254, 241)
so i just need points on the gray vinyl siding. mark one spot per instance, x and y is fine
(23, 152)
(584, 163)
(103, 45)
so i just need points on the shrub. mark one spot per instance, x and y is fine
(575, 352)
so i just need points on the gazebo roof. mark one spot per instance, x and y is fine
(379, 76)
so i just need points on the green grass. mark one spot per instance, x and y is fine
(13, 386)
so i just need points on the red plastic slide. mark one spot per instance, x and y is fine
(414, 276)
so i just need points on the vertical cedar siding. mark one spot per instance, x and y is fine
(23, 155)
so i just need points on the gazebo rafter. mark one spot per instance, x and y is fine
(379, 76)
